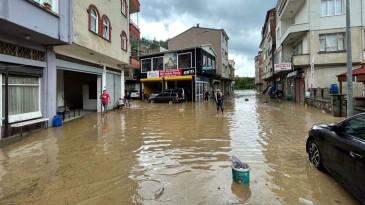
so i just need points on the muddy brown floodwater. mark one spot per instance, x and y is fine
(127, 156)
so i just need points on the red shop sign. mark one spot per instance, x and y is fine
(170, 73)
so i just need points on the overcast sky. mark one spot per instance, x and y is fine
(242, 20)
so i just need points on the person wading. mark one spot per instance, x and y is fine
(105, 100)
(219, 100)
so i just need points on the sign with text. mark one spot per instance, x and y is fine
(170, 73)
(188, 71)
(152, 74)
(282, 66)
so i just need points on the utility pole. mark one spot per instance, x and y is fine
(350, 105)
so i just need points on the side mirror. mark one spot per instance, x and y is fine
(333, 127)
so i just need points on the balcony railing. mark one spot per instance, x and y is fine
(301, 60)
(134, 24)
(294, 28)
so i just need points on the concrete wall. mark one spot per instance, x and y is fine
(88, 39)
(31, 15)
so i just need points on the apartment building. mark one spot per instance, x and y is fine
(313, 32)
(218, 38)
(99, 55)
(29, 30)
(258, 73)
(268, 46)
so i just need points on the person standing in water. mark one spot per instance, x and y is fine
(219, 100)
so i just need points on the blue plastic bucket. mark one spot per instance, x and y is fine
(57, 120)
(240, 175)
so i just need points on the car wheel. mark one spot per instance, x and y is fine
(170, 102)
(314, 154)
(152, 101)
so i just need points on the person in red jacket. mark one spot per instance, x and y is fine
(105, 99)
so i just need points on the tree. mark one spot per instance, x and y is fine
(244, 83)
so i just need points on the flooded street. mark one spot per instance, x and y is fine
(126, 156)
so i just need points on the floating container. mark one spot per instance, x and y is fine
(57, 121)
(241, 175)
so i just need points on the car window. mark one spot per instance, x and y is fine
(355, 127)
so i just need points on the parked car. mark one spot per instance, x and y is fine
(178, 90)
(153, 95)
(134, 94)
(167, 97)
(339, 148)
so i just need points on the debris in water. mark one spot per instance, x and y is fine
(159, 192)
(305, 202)
(236, 163)
(246, 99)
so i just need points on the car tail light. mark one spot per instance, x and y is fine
(177, 97)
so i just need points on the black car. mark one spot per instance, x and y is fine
(167, 97)
(339, 148)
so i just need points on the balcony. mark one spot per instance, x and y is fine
(301, 60)
(288, 9)
(293, 33)
(134, 63)
(134, 31)
(134, 6)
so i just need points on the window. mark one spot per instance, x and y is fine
(332, 42)
(355, 127)
(94, 21)
(124, 7)
(184, 60)
(331, 7)
(106, 28)
(157, 63)
(145, 65)
(24, 97)
(124, 41)
(298, 49)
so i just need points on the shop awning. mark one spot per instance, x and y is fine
(175, 78)
(358, 74)
(151, 79)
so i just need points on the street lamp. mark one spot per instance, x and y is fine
(195, 69)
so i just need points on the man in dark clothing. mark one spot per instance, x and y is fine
(219, 100)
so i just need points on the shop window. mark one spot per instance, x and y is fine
(24, 97)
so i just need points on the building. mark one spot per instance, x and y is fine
(99, 55)
(196, 36)
(258, 73)
(27, 58)
(268, 47)
(65, 57)
(190, 68)
(313, 32)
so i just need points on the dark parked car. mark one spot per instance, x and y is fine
(153, 95)
(169, 97)
(181, 92)
(339, 148)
